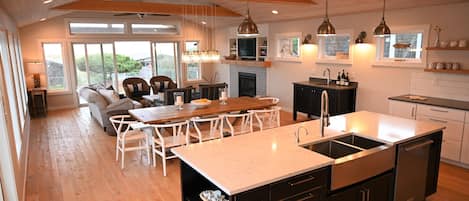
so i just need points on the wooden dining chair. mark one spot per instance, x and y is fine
(211, 91)
(266, 118)
(122, 126)
(162, 144)
(236, 127)
(202, 133)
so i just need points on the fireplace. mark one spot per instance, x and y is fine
(247, 84)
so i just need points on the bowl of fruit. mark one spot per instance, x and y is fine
(201, 103)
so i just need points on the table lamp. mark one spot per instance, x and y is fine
(36, 69)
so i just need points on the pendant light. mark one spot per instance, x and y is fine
(382, 29)
(248, 28)
(326, 28)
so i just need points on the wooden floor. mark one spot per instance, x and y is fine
(72, 159)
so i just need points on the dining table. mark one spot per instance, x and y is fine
(168, 113)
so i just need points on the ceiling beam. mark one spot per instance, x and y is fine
(283, 1)
(146, 7)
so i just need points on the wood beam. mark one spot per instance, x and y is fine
(283, 1)
(146, 7)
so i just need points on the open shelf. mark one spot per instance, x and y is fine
(265, 64)
(449, 48)
(461, 72)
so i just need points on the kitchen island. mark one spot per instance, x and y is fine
(271, 165)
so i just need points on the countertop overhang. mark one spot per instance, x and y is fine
(433, 101)
(241, 163)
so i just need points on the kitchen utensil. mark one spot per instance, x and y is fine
(440, 66)
(448, 65)
(456, 66)
(434, 64)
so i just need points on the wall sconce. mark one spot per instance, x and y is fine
(361, 38)
(308, 40)
(35, 69)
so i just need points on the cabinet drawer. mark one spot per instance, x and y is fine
(313, 195)
(465, 145)
(299, 184)
(453, 131)
(451, 149)
(441, 112)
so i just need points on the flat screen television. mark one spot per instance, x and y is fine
(247, 48)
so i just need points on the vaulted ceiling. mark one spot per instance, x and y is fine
(30, 11)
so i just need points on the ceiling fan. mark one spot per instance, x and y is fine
(141, 15)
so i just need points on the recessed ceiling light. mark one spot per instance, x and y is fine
(43, 19)
(204, 22)
(275, 12)
(47, 1)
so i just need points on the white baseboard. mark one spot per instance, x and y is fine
(455, 163)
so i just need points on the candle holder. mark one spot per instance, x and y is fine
(223, 97)
(178, 102)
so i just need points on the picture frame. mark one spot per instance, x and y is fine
(288, 47)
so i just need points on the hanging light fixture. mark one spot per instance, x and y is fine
(382, 29)
(214, 53)
(326, 28)
(248, 28)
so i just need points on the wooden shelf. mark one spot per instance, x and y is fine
(264, 64)
(449, 48)
(461, 72)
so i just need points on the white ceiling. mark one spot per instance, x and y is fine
(30, 11)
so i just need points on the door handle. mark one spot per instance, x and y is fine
(420, 145)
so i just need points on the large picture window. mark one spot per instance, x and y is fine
(53, 57)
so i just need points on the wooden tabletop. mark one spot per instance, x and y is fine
(163, 114)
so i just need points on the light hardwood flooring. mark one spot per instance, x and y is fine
(72, 159)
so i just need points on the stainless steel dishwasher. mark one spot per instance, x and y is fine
(411, 170)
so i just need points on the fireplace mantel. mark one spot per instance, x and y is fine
(265, 64)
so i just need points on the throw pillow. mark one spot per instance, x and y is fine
(110, 95)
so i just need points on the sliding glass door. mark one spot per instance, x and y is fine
(166, 54)
(133, 59)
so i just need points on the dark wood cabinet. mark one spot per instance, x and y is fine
(307, 99)
(379, 188)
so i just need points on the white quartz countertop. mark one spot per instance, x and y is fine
(237, 164)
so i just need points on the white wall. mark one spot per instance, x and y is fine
(55, 30)
(376, 84)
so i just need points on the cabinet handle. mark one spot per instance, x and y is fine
(437, 110)
(367, 194)
(423, 144)
(363, 195)
(310, 196)
(437, 120)
(413, 112)
(310, 178)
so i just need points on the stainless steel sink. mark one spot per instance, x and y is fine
(359, 142)
(355, 158)
(332, 149)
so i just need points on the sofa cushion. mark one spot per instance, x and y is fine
(110, 95)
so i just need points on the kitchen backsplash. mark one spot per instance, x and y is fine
(440, 85)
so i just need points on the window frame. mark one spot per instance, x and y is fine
(406, 63)
(185, 65)
(322, 59)
(67, 90)
(95, 22)
(131, 30)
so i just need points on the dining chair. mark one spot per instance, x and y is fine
(236, 127)
(202, 133)
(186, 93)
(266, 118)
(210, 91)
(122, 126)
(162, 144)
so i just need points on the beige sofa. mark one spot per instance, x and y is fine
(101, 109)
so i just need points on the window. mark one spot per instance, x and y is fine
(335, 49)
(55, 66)
(404, 47)
(96, 28)
(154, 29)
(193, 70)
(166, 59)
(288, 47)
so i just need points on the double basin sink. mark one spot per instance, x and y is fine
(355, 158)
